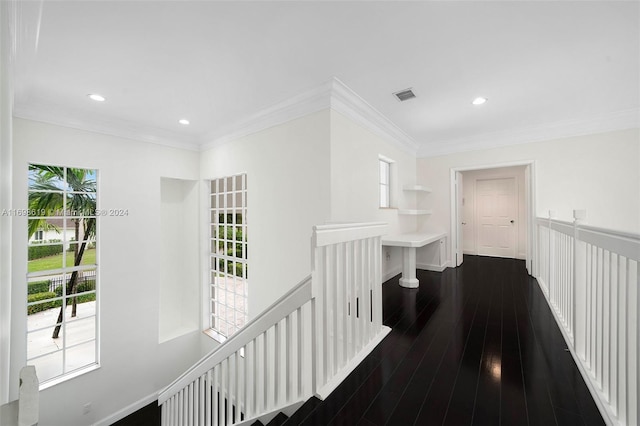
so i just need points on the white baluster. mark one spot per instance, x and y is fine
(288, 362)
(208, 413)
(217, 396)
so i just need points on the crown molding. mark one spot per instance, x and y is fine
(332, 94)
(306, 103)
(57, 115)
(350, 104)
(609, 122)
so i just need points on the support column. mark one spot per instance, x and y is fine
(409, 279)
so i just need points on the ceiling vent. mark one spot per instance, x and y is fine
(404, 95)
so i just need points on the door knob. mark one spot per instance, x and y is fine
(512, 221)
(464, 223)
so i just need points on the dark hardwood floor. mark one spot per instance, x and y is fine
(475, 345)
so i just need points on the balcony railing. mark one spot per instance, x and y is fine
(305, 344)
(590, 279)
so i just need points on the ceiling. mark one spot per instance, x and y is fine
(548, 69)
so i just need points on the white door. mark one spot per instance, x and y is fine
(496, 213)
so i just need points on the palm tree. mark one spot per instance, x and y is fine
(53, 191)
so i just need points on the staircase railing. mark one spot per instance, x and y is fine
(306, 343)
(590, 279)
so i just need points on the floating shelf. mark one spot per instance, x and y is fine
(415, 212)
(416, 188)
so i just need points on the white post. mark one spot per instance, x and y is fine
(580, 217)
(579, 277)
(29, 402)
(409, 279)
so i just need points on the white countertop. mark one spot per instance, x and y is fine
(418, 239)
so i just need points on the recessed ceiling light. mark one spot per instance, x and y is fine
(184, 122)
(479, 101)
(96, 97)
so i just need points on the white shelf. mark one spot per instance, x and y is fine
(421, 188)
(415, 212)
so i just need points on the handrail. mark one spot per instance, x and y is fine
(342, 232)
(625, 243)
(293, 299)
(589, 277)
(273, 363)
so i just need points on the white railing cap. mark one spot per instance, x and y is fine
(335, 233)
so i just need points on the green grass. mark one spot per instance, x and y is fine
(55, 262)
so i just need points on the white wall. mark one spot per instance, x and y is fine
(287, 170)
(599, 173)
(6, 147)
(470, 235)
(180, 278)
(134, 365)
(355, 154)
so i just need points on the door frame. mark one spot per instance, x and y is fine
(530, 207)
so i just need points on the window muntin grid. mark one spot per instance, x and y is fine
(228, 277)
(62, 207)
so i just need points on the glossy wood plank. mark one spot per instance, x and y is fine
(473, 345)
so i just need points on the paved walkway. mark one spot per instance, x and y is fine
(78, 335)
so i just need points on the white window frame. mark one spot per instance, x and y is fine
(385, 182)
(70, 369)
(227, 307)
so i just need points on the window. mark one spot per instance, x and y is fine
(385, 183)
(228, 264)
(62, 314)
(39, 235)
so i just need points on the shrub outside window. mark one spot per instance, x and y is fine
(62, 278)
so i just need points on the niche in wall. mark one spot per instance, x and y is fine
(179, 277)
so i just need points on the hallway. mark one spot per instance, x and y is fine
(473, 345)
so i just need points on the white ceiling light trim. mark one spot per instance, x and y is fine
(619, 120)
(479, 101)
(184, 122)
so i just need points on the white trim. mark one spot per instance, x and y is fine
(324, 235)
(8, 40)
(129, 409)
(391, 273)
(67, 376)
(332, 94)
(339, 377)
(432, 267)
(306, 103)
(59, 116)
(349, 103)
(603, 407)
(618, 120)
(530, 211)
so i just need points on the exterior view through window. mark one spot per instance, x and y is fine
(62, 274)
(228, 263)
(385, 193)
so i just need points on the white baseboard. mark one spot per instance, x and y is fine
(326, 390)
(391, 273)
(288, 410)
(431, 267)
(598, 397)
(129, 409)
